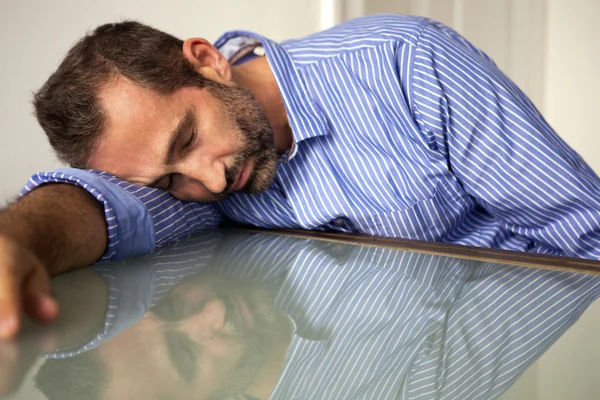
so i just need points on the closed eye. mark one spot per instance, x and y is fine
(190, 140)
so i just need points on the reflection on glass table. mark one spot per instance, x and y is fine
(241, 315)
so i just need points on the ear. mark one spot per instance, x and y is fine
(207, 60)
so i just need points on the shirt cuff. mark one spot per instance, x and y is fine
(130, 229)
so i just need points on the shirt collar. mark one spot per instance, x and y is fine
(305, 118)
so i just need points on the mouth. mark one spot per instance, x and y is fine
(243, 310)
(242, 179)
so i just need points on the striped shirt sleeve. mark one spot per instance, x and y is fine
(138, 218)
(500, 148)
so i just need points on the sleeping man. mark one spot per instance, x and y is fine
(385, 125)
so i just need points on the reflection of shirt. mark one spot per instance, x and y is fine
(390, 324)
(381, 323)
(401, 128)
(139, 283)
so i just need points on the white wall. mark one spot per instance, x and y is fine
(571, 79)
(35, 35)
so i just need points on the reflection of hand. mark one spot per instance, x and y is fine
(18, 355)
(24, 286)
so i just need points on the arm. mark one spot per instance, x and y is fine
(96, 217)
(62, 225)
(139, 219)
(500, 149)
(52, 230)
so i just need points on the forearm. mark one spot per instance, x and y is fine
(138, 218)
(62, 224)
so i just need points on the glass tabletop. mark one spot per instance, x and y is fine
(252, 315)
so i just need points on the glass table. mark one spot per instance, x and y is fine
(242, 314)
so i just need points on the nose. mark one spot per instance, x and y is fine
(208, 322)
(207, 171)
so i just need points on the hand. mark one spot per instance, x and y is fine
(24, 286)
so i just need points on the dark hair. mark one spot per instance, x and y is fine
(67, 106)
(81, 377)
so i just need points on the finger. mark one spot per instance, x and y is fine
(41, 308)
(39, 303)
(10, 301)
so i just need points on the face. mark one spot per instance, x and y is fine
(205, 340)
(199, 144)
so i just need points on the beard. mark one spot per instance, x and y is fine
(256, 134)
(256, 342)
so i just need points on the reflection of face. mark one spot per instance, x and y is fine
(205, 340)
(199, 144)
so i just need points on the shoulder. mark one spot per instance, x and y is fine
(356, 34)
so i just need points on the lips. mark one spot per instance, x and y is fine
(243, 177)
(244, 311)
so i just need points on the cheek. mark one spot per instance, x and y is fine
(224, 347)
(219, 127)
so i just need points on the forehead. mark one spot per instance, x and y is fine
(123, 100)
(137, 124)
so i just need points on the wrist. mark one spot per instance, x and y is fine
(62, 224)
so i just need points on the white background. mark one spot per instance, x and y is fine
(549, 47)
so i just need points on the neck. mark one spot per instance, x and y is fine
(256, 76)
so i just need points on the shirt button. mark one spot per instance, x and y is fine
(259, 51)
(339, 222)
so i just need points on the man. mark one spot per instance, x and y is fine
(385, 125)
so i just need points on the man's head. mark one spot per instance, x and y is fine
(210, 338)
(157, 111)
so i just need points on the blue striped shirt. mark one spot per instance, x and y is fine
(401, 128)
(371, 323)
